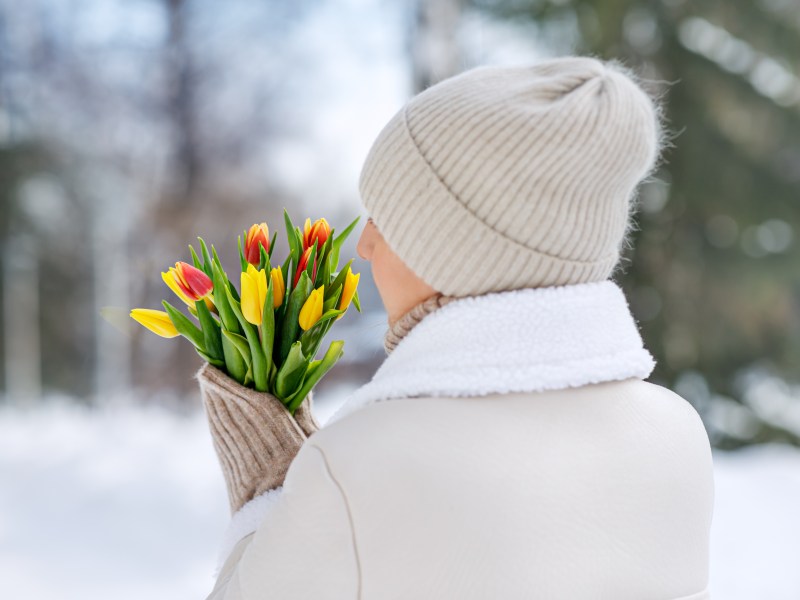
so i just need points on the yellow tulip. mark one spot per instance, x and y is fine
(156, 321)
(278, 287)
(312, 308)
(254, 294)
(350, 285)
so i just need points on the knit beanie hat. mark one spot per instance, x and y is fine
(510, 177)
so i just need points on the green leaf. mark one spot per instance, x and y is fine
(235, 364)
(184, 326)
(294, 248)
(333, 354)
(264, 261)
(310, 265)
(324, 268)
(272, 244)
(195, 259)
(290, 325)
(242, 259)
(332, 301)
(312, 366)
(343, 236)
(268, 329)
(337, 243)
(210, 329)
(298, 235)
(287, 281)
(291, 372)
(259, 372)
(340, 278)
(206, 257)
(356, 301)
(222, 299)
(217, 363)
(313, 337)
(327, 315)
(273, 374)
(215, 258)
(241, 345)
(234, 292)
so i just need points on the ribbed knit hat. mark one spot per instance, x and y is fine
(509, 177)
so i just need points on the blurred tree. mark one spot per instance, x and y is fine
(155, 119)
(713, 278)
(433, 48)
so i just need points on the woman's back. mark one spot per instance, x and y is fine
(601, 491)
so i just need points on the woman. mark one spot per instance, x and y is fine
(508, 447)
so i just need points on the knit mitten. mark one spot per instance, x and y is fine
(256, 438)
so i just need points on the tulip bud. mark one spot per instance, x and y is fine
(303, 265)
(278, 287)
(254, 294)
(257, 236)
(348, 291)
(312, 308)
(193, 283)
(319, 231)
(171, 279)
(156, 321)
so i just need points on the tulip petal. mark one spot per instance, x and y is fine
(261, 281)
(169, 278)
(156, 321)
(251, 310)
(350, 285)
(192, 281)
(257, 236)
(278, 287)
(312, 309)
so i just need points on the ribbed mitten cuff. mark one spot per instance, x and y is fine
(254, 435)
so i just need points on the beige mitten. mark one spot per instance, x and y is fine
(254, 435)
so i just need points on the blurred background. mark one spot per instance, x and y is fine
(130, 127)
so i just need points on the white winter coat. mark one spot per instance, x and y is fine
(508, 447)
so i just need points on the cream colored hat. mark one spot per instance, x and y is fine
(508, 177)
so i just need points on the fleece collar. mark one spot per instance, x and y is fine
(525, 340)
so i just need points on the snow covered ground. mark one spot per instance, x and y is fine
(129, 503)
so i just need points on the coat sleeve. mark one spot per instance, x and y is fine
(303, 548)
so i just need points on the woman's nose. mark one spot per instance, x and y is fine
(361, 247)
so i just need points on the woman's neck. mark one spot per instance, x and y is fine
(400, 328)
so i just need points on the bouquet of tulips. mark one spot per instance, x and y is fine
(266, 334)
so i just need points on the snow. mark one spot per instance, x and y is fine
(129, 502)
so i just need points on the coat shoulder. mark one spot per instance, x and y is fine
(634, 410)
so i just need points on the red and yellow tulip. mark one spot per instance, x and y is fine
(278, 287)
(156, 321)
(319, 231)
(189, 284)
(311, 311)
(303, 265)
(348, 291)
(257, 236)
(254, 294)
(193, 283)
